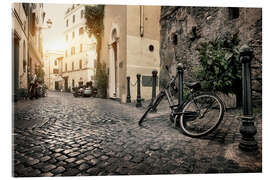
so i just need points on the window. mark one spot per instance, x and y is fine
(24, 50)
(72, 66)
(81, 47)
(24, 57)
(151, 48)
(66, 37)
(33, 23)
(73, 19)
(55, 71)
(233, 13)
(55, 62)
(72, 50)
(24, 26)
(73, 35)
(175, 39)
(81, 31)
(25, 7)
(81, 13)
(80, 64)
(67, 23)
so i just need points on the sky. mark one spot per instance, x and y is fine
(53, 38)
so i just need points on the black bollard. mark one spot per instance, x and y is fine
(128, 90)
(139, 103)
(154, 85)
(180, 70)
(247, 130)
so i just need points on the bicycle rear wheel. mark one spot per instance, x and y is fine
(201, 115)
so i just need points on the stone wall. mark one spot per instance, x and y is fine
(183, 29)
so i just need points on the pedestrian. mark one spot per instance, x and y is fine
(33, 84)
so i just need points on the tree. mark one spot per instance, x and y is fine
(220, 68)
(102, 79)
(94, 22)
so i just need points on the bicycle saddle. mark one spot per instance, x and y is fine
(193, 85)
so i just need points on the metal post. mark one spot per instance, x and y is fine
(128, 90)
(154, 84)
(180, 70)
(139, 103)
(247, 130)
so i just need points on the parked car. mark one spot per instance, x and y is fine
(87, 92)
(84, 92)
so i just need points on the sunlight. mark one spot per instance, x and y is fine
(58, 44)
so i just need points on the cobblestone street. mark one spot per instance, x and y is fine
(60, 135)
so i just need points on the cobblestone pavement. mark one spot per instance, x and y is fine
(60, 135)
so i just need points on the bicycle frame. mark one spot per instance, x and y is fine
(176, 109)
(193, 107)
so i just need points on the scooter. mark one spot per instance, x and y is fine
(77, 91)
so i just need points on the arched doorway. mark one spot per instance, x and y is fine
(15, 57)
(114, 70)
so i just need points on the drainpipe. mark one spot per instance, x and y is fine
(141, 21)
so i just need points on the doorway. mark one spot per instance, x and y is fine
(114, 46)
(66, 83)
(56, 85)
(114, 63)
(15, 59)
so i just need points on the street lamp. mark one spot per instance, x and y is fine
(49, 23)
(48, 26)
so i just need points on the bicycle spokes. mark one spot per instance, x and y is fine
(201, 115)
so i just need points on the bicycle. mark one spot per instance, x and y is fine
(199, 115)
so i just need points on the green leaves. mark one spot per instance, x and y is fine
(94, 19)
(219, 68)
(228, 55)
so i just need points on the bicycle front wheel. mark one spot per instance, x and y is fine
(201, 115)
(144, 115)
(151, 107)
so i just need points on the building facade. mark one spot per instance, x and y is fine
(183, 29)
(53, 69)
(27, 18)
(130, 45)
(19, 48)
(36, 23)
(80, 53)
